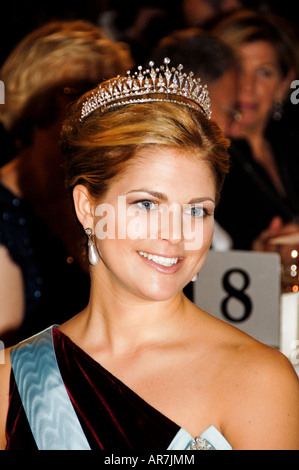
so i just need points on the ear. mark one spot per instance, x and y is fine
(83, 203)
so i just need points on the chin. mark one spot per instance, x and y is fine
(160, 292)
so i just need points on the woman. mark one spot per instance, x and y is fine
(265, 163)
(145, 368)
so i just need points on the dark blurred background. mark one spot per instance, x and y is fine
(121, 17)
(140, 23)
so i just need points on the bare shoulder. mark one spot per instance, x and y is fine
(257, 389)
(264, 405)
(265, 364)
(5, 370)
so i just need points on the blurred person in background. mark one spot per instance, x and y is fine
(212, 60)
(141, 24)
(145, 22)
(202, 12)
(263, 183)
(40, 262)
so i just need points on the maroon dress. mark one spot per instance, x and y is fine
(112, 416)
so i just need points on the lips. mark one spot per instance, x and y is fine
(247, 106)
(165, 264)
(162, 260)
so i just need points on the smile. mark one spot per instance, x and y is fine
(159, 259)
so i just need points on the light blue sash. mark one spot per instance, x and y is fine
(50, 413)
(49, 410)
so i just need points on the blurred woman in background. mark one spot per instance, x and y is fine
(263, 185)
(40, 256)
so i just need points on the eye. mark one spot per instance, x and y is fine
(196, 211)
(145, 204)
(265, 72)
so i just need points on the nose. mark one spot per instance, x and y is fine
(170, 224)
(247, 83)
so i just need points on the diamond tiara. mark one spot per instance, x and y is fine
(150, 85)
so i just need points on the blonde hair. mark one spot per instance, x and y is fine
(59, 54)
(100, 147)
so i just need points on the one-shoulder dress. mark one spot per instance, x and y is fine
(62, 399)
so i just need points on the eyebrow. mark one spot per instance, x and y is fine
(163, 196)
(269, 64)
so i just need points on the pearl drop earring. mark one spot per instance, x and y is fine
(194, 279)
(93, 255)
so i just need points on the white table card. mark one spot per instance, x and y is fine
(243, 289)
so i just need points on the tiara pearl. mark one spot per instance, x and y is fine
(150, 85)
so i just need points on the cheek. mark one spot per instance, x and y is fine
(208, 232)
(115, 254)
(136, 224)
(120, 222)
(105, 222)
(268, 92)
(199, 234)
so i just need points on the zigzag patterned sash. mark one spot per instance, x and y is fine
(49, 410)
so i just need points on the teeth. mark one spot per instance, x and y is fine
(159, 259)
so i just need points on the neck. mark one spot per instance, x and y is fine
(254, 133)
(259, 146)
(255, 136)
(121, 322)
